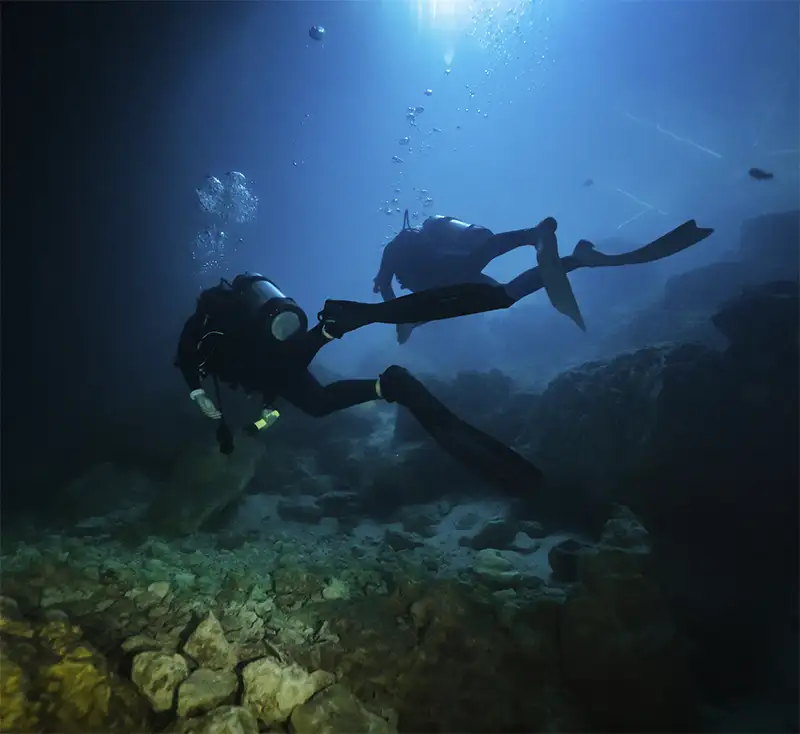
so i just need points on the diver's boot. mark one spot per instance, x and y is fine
(435, 304)
(478, 451)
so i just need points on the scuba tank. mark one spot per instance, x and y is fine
(446, 230)
(274, 314)
(251, 305)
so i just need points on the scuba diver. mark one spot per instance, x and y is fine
(446, 251)
(247, 333)
(478, 293)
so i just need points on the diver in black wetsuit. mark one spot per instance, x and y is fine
(249, 334)
(446, 251)
(478, 294)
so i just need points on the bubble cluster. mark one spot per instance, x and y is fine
(512, 36)
(231, 200)
(209, 249)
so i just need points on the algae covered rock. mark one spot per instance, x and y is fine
(334, 710)
(272, 688)
(52, 680)
(208, 647)
(224, 720)
(206, 689)
(18, 709)
(158, 675)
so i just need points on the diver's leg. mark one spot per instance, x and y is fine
(486, 456)
(305, 392)
(340, 317)
(504, 242)
(530, 280)
(404, 330)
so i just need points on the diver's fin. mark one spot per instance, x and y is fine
(556, 284)
(481, 453)
(680, 238)
(434, 304)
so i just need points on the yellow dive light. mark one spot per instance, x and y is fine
(265, 421)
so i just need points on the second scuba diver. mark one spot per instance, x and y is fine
(248, 334)
(449, 282)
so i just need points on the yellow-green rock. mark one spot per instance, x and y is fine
(51, 680)
(17, 713)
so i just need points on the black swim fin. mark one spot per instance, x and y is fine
(484, 455)
(434, 304)
(673, 242)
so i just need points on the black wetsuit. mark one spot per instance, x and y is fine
(224, 343)
(442, 252)
(241, 359)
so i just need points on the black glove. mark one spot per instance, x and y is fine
(340, 317)
(395, 383)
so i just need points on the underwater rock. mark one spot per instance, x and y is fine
(335, 710)
(336, 589)
(157, 675)
(621, 651)
(203, 483)
(224, 720)
(524, 544)
(769, 245)
(563, 559)
(624, 530)
(140, 643)
(705, 288)
(100, 490)
(495, 570)
(206, 689)
(531, 528)
(761, 318)
(420, 523)
(208, 647)
(300, 509)
(496, 533)
(467, 521)
(51, 679)
(18, 707)
(272, 689)
(398, 541)
(340, 504)
(295, 586)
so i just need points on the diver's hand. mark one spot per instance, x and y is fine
(375, 287)
(340, 317)
(205, 404)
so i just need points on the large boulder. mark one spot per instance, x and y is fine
(621, 651)
(768, 250)
(203, 484)
(704, 445)
(769, 245)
